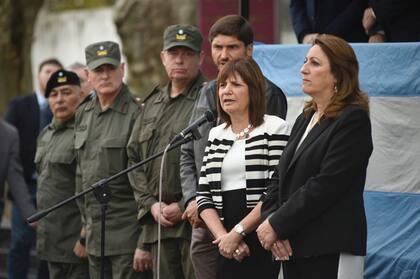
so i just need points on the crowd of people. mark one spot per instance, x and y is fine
(249, 197)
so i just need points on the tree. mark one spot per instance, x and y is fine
(140, 24)
(17, 18)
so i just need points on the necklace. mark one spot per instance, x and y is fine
(244, 133)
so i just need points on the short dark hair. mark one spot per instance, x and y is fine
(50, 61)
(345, 68)
(251, 74)
(233, 25)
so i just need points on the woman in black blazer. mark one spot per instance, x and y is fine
(314, 213)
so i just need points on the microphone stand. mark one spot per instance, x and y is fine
(103, 194)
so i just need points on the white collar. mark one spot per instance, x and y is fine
(42, 101)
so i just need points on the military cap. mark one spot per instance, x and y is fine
(101, 53)
(182, 35)
(59, 78)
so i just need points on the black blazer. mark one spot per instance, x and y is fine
(399, 18)
(342, 18)
(24, 113)
(316, 195)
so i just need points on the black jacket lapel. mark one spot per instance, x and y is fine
(312, 135)
(288, 154)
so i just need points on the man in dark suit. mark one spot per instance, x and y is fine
(340, 18)
(11, 171)
(29, 114)
(399, 20)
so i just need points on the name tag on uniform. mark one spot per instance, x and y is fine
(81, 128)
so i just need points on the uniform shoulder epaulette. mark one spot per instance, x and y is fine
(137, 100)
(153, 92)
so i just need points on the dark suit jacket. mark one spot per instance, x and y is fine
(399, 18)
(24, 113)
(317, 192)
(342, 18)
(11, 170)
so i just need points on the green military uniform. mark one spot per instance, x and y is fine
(59, 231)
(162, 118)
(100, 143)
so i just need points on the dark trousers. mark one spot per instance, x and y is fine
(204, 254)
(69, 270)
(322, 267)
(23, 238)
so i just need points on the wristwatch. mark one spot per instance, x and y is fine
(239, 229)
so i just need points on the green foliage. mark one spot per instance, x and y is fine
(63, 5)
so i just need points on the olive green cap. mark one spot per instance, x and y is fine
(182, 35)
(101, 53)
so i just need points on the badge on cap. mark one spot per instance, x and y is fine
(60, 78)
(101, 51)
(180, 36)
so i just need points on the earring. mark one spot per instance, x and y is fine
(335, 88)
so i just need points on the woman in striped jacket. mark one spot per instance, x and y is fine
(240, 157)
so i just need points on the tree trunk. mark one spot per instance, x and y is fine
(17, 18)
(140, 24)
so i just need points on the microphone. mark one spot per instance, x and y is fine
(208, 116)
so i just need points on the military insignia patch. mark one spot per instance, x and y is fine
(181, 37)
(61, 79)
(102, 52)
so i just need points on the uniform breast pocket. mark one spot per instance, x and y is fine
(114, 154)
(146, 135)
(63, 158)
(146, 140)
(80, 140)
(39, 155)
(64, 169)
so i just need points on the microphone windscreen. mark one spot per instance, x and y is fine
(209, 115)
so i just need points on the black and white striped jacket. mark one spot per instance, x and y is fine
(262, 153)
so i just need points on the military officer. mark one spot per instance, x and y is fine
(103, 126)
(58, 233)
(166, 112)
